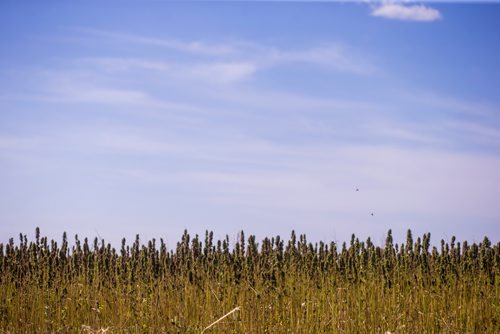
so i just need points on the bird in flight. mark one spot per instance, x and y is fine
(357, 189)
(372, 213)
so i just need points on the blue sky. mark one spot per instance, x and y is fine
(152, 117)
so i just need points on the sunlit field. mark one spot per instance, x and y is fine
(245, 286)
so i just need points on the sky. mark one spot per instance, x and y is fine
(150, 117)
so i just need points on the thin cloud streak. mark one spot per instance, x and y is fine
(332, 56)
(118, 64)
(476, 132)
(223, 73)
(195, 47)
(218, 72)
(457, 105)
(20, 143)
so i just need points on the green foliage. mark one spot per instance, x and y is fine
(280, 286)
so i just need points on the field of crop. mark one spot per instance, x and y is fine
(272, 286)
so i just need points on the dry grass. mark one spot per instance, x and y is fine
(270, 287)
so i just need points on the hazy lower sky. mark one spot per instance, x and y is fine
(151, 117)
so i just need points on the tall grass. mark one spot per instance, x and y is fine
(278, 286)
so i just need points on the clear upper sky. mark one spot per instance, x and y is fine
(149, 117)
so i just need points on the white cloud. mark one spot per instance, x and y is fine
(407, 13)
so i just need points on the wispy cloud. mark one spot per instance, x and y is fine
(92, 86)
(333, 56)
(404, 133)
(195, 47)
(403, 12)
(104, 95)
(237, 56)
(456, 105)
(221, 72)
(18, 143)
(134, 144)
(218, 72)
(392, 180)
(114, 64)
(476, 132)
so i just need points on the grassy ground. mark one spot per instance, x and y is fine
(276, 286)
